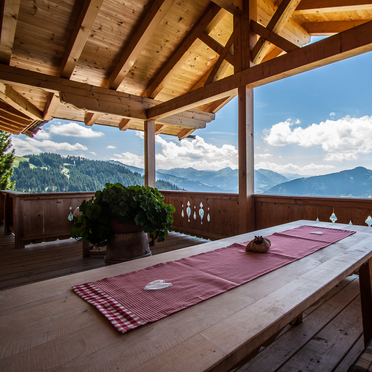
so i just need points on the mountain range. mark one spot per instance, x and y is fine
(224, 180)
(349, 183)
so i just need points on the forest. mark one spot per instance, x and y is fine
(48, 172)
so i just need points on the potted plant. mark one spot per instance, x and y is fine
(120, 218)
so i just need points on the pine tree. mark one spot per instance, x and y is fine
(6, 162)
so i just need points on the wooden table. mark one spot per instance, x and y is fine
(45, 326)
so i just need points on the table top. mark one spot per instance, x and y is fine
(47, 326)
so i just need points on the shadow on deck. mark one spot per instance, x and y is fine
(329, 338)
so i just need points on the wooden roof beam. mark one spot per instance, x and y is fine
(232, 6)
(329, 28)
(216, 46)
(5, 128)
(218, 65)
(20, 103)
(153, 17)
(184, 133)
(335, 48)
(80, 36)
(6, 108)
(9, 18)
(124, 124)
(51, 106)
(97, 99)
(322, 6)
(272, 37)
(90, 118)
(160, 127)
(180, 54)
(276, 24)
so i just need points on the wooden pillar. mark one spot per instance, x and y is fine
(150, 153)
(244, 40)
(365, 283)
(246, 160)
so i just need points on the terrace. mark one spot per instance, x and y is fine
(166, 67)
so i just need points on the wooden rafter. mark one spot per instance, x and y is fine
(10, 9)
(335, 48)
(51, 106)
(272, 37)
(6, 109)
(90, 118)
(219, 64)
(140, 37)
(276, 24)
(20, 103)
(180, 54)
(329, 28)
(98, 99)
(124, 124)
(316, 6)
(184, 133)
(217, 47)
(232, 6)
(79, 37)
(159, 128)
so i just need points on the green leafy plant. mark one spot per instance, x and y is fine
(142, 205)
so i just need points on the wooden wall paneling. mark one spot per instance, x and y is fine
(18, 223)
(83, 25)
(9, 19)
(153, 17)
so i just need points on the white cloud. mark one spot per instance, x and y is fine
(110, 147)
(42, 134)
(292, 168)
(343, 139)
(74, 130)
(130, 159)
(34, 146)
(262, 156)
(93, 153)
(332, 114)
(194, 153)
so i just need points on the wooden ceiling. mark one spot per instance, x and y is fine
(121, 62)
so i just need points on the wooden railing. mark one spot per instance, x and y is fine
(271, 210)
(44, 217)
(209, 216)
(39, 217)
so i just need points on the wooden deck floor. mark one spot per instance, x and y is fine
(44, 261)
(329, 338)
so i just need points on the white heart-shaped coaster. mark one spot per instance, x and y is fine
(157, 284)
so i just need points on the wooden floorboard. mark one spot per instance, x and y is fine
(328, 339)
(42, 261)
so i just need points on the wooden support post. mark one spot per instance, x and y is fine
(149, 127)
(242, 40)
(246, 160)
(365, 283)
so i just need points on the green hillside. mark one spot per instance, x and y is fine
(53, 173)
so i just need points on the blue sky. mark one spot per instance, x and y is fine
(314, 123)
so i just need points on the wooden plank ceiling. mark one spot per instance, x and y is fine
(121, 62)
